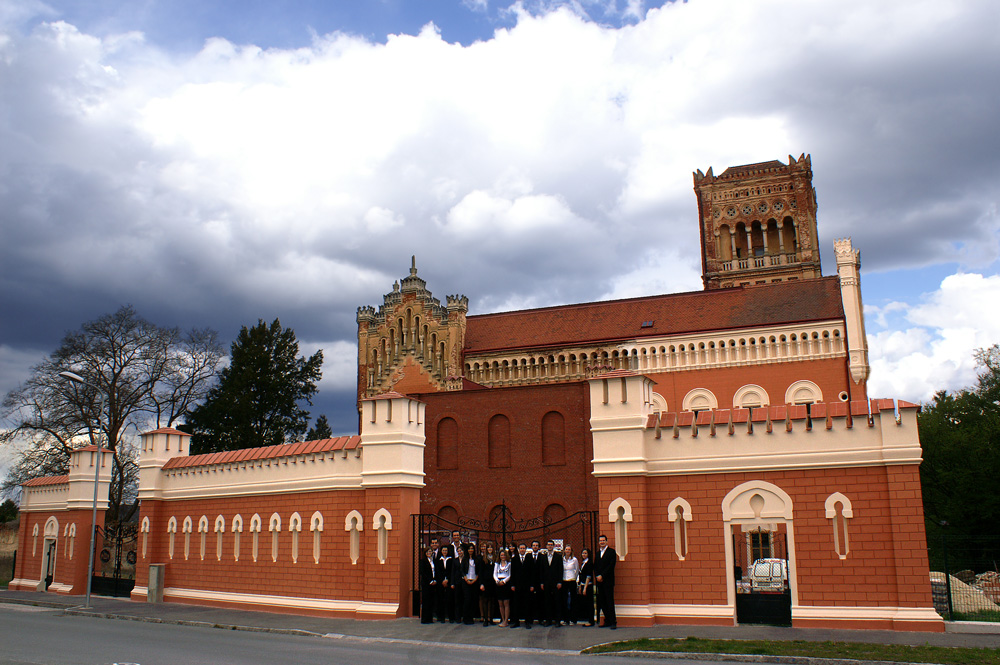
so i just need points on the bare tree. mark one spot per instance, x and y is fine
(136, 375)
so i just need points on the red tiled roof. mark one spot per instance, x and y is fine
(672, 314)
(268, 452)
(167, 430)
(46, 480)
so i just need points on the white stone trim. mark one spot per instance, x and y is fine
(291, 602)
(832, 500)
(336, 470)
(777, 503)
(59, 587)
(48, 498)
(678, 611)
(354, 515)
(672, 510)
(613, 510)
(382, 512)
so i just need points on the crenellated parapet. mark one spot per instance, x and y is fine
(630, 438)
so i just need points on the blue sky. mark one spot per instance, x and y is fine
(215, 163)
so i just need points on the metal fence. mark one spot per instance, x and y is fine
(965, 576)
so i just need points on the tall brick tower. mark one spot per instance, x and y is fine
(758, 223)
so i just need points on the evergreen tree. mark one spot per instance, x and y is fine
(320, 430)
(257, 401)
(8, 511)
(960, 436)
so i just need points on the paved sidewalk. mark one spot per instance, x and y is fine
(572, 638)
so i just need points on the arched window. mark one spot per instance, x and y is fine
(237, 530)
(553, 438)
(679, 513)
(220, 528)
(447, 444)
(620, 514)
(803, 392)
(171, 532)
(750, 396)
(144, 528)
(498, 441)
(202, 535)
(274, 525)
(700, 399)
(255, 524)
(316, 526)
(354, 525)
(838, 511)
(382, 523)
(187, 527)
(295, 527)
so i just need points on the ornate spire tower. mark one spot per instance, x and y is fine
(412, 344)
(758, 223)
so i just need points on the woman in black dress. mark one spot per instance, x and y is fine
(428, 587)
(501, 578)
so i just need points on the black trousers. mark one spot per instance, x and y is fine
(606, 603)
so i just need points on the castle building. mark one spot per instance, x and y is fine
(707, 434)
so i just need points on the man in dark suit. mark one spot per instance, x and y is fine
(522, 586)
(604, 575)
(549, 567)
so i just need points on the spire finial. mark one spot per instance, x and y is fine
(413, 265)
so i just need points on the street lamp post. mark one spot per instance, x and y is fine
(76, 378)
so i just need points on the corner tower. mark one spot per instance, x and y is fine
(758, 223)
(412, 344)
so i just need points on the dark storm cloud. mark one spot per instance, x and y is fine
(550, 164)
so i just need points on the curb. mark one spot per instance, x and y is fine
(189, 622)
(750, 658)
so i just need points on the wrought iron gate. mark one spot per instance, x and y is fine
(114, 565)
(501, 529)
(761, 576)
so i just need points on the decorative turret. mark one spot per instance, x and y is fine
(849, 270)
(758, 223)
(412, 343)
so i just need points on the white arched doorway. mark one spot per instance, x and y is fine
(758, 519)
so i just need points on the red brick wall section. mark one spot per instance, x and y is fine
(389, 582)
(68, 570)
(886, 537)
(830, 375)
(334, 577)
(527, 485)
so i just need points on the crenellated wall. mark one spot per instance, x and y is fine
(837, 482)
(56, 515)
(320, 527)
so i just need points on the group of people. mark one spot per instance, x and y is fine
(517, 586)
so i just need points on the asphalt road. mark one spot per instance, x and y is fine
(35, 635)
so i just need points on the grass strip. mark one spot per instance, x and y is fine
(900, 653)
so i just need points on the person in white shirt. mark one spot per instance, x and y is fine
(571, 570)
(502, 576)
